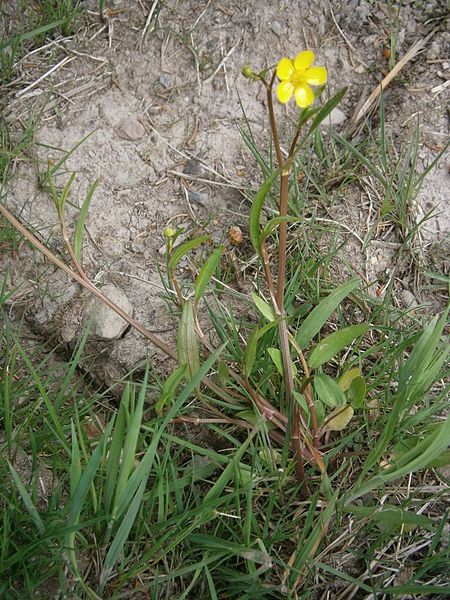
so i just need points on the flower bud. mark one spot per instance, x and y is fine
(169, 232)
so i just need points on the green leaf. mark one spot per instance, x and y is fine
(250, 352)
(339, 418)
(169, 388)
(322, 312)
(206, 272)
(407, 444)
(223, 372)
(127, 464)
(255, 212)
(273, 224)
(357, 392)
(394, 516)
(326, 110)
(318, 406)
(277, 357)
(115, 550)
(265, 309)
(346, 379)
(143, 469)
(328, 391)
(115, 449)
(417, 458)
(26, 498)
(187, 344)
(79, 230)
(183, 249)
(327, 348)
(75, 463)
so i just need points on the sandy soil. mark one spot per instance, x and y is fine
(160, 102)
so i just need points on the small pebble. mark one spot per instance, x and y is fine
(165, 81)
(198, 197)
(408, 299)
(277, 28)
(130, 129)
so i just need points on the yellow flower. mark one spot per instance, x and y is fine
(297, 76)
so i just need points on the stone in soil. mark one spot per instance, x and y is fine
(130, 129)
(106, 324)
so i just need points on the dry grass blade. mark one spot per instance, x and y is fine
(368, 104)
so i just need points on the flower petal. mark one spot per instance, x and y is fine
(304, 96)
(304, 60)
(285, 91)
(285, 68)
(316, 75)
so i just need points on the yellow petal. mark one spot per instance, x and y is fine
(285, 91)
(304, 96)
(304, 60)
(316, 75)
(285, 68)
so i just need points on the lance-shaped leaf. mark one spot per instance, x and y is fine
(183, 249)
(255, 212)
(327, 348)
(187, 344)
(265, 309)
(79, 230)
(206, 273)
(322, 312)
(169, 388)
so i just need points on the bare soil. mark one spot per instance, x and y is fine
(158, 107)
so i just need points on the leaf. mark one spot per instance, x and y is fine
(318, 406)
(26, 498)
(327, 348)
(326, 110)
(255, 212)
(339, 418)
(79, 229)
(75, 463)
(206, 272)
(273, 223)
(390, 516)
(277, 357)
(115, 449)
(121, 537)
(328, 391)
(357, 392)
(131, 440)
(322, 312)
(187, 344)
(183, 249)
(428, 450)
(224, 372)
(265, 309)
(346, 379)
(405, 445)
(250, 352)
(143, 469)
(169, 388)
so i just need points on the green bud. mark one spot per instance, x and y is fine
(169, 232)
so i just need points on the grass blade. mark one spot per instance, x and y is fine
(322, 312)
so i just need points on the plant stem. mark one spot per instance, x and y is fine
(292, 407)
(282, 245)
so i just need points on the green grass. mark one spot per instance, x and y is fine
(106, 498)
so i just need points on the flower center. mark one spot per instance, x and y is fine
(298, 77)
